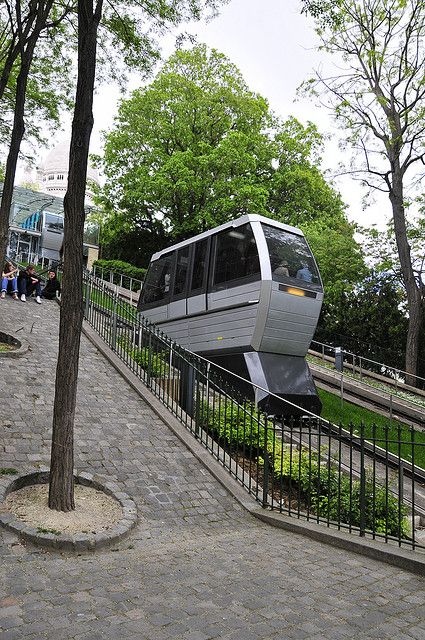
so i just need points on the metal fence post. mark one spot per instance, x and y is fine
(266, 466)
(362, 484)
(114, 326)
(88, 294)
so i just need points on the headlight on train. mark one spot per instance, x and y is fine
(295, 292)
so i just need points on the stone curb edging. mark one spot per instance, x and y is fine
(22, 346)
(63, 542)
(384, 552)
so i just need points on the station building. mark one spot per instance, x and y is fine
(36, 221)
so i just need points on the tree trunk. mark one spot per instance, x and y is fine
(18, 131)
(414, 300)
(61, 489)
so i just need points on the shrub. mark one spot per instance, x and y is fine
(154, 362)
(331, 495)
(328, 493)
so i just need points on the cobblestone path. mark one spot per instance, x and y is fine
(197, 566)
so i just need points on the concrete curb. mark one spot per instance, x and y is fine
(21, 345)
(63, 542)
(402, 558)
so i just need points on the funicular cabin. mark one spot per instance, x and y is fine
(247, 296)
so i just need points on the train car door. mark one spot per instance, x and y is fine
(177, 306)
(197, 287)
(234, 267)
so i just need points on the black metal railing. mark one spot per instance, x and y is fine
(369, 483)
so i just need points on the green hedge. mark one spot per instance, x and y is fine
(154, 363)
(121, 267)
(328, 493)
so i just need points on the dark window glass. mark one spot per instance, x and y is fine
(181, 271)
(157, 283)
(53, 223)
(290, 257)
(199, 265)
(236, 256)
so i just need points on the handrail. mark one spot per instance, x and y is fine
(362, 359)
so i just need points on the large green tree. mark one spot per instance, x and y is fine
(377, 95)
(197, 148)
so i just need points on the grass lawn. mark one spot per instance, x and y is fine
(376, 427)
(107, 301)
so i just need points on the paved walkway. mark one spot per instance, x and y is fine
(197, 566)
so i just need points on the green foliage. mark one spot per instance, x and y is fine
(155, 363)
(120, 267)
(199, 148)
(8, 471)
(236, 425)
(376, 427)
(332, 495)
(369, 321)
(328, 493)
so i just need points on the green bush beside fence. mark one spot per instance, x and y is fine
(328, 493)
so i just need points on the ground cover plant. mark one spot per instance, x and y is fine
(327, 492)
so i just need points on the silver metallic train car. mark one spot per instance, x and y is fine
(247, 296)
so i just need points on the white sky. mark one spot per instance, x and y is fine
(274, 47)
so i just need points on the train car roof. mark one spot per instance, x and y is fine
(249, 217)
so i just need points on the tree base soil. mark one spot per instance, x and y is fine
(94, 512)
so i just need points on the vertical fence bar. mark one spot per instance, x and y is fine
(362, 483)
(266, 464)
(412, 457)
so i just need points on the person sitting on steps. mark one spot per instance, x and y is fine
(9, 278)
(28, 281)
(52, 287)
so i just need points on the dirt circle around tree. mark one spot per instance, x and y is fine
(103, 513)
(94, 510)
(11, 346)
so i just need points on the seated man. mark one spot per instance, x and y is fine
(28, 281)
(282, 269)
(52, 287)
(304, 273)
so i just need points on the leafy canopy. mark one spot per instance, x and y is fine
(197, 148)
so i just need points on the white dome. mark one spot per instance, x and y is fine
(57, 161)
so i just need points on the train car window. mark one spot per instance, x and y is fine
(236, 257)
(199, 266)
(53, 223)
(290, 257)
(181, 271)
(156, 287)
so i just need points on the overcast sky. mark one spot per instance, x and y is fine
(274, 47)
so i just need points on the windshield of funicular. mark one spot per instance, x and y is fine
(290, 257)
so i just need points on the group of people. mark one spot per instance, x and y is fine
(303, 273)
(22, 283)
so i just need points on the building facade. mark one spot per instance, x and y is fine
(36, 221)
(36, 225)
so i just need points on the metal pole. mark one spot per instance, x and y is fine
(362, 484)
(266, 467)
(87, 305)
(114, 326)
